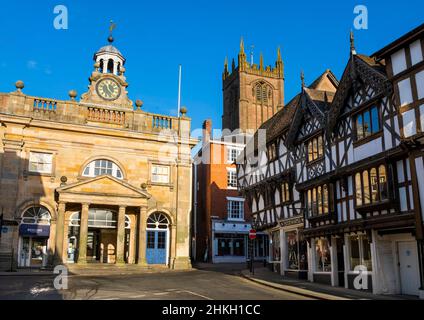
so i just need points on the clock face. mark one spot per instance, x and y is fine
(108, 89)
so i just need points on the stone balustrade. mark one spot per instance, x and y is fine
(74, 112)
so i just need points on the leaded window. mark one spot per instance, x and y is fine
(318, 200)
(367, 123)
(315, 148)
(371, 186)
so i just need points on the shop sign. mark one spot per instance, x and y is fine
(291, 222)
(34, 230)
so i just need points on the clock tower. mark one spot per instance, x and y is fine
(107, 82)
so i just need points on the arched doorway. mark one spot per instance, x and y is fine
(157, 242)
(34, 234)
(101, 237)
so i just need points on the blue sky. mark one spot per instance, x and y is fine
(157, 36)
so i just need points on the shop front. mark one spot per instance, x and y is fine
(34, 234)
(295, 253)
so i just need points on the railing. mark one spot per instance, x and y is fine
(105, 115)
(45, 105)
(162, 122)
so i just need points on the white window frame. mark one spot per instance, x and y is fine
(153, 174)
(231, 175)
(92, 166)
(31, 160)
(230, 216)
(230, 154)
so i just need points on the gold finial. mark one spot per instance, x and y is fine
(226, 63)
(352, 43)
(302, 78)
(112, 27)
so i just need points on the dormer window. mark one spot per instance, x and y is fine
(367, 123)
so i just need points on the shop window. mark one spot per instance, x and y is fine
(40, 162)
(367, 123)
(318, 201)
(275, 246)
(322, 255)
(315, 148)
(371, 186)
(296, 251)
(360, 252)
(230, 245)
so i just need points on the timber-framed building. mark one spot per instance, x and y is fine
(344, 166)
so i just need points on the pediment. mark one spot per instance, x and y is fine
(105, 185)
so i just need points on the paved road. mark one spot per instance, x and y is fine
(205, 284)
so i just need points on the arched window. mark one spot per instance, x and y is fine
(101, 65)
(101, 167)
(110, 66)
(262, 93)
(157, 221)
(36, 215)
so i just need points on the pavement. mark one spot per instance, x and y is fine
(274, 280)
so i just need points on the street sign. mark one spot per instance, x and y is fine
(252, 234)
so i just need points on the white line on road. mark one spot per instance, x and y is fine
(196, 294)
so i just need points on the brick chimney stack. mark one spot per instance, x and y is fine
(207, 131)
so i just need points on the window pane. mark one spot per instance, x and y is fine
(384, 193)
(314, 202)
(374, 185)
(367, 124)
(323, 258)
(365, 177)
(358, 189)
(310, 202)
(359, 127)
(375, 120)
(320, 147)
(319, 202)
(315, 145)
(325, 202)
(310, 151)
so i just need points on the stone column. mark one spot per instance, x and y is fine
(82, 248)
(120, 241)
(172, 255)
(142, 220)
(60, 224)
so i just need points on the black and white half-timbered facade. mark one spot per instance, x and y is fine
(340, 184)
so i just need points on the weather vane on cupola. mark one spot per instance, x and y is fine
(111, 28)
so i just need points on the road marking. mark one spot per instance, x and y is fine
(196, 294)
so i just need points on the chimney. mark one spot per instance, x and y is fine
(207, 131)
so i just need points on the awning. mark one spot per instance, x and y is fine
(34, 230)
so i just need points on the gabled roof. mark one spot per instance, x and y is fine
(368, 70)
(316, 102)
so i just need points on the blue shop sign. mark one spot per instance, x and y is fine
(34, 230)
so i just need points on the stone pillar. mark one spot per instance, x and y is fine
(142, 220)
(82, 248)
(60, 224)
(172, 253)
(120, 241)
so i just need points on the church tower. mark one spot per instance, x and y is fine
(252, 93)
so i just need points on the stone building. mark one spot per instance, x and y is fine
(95, 180)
